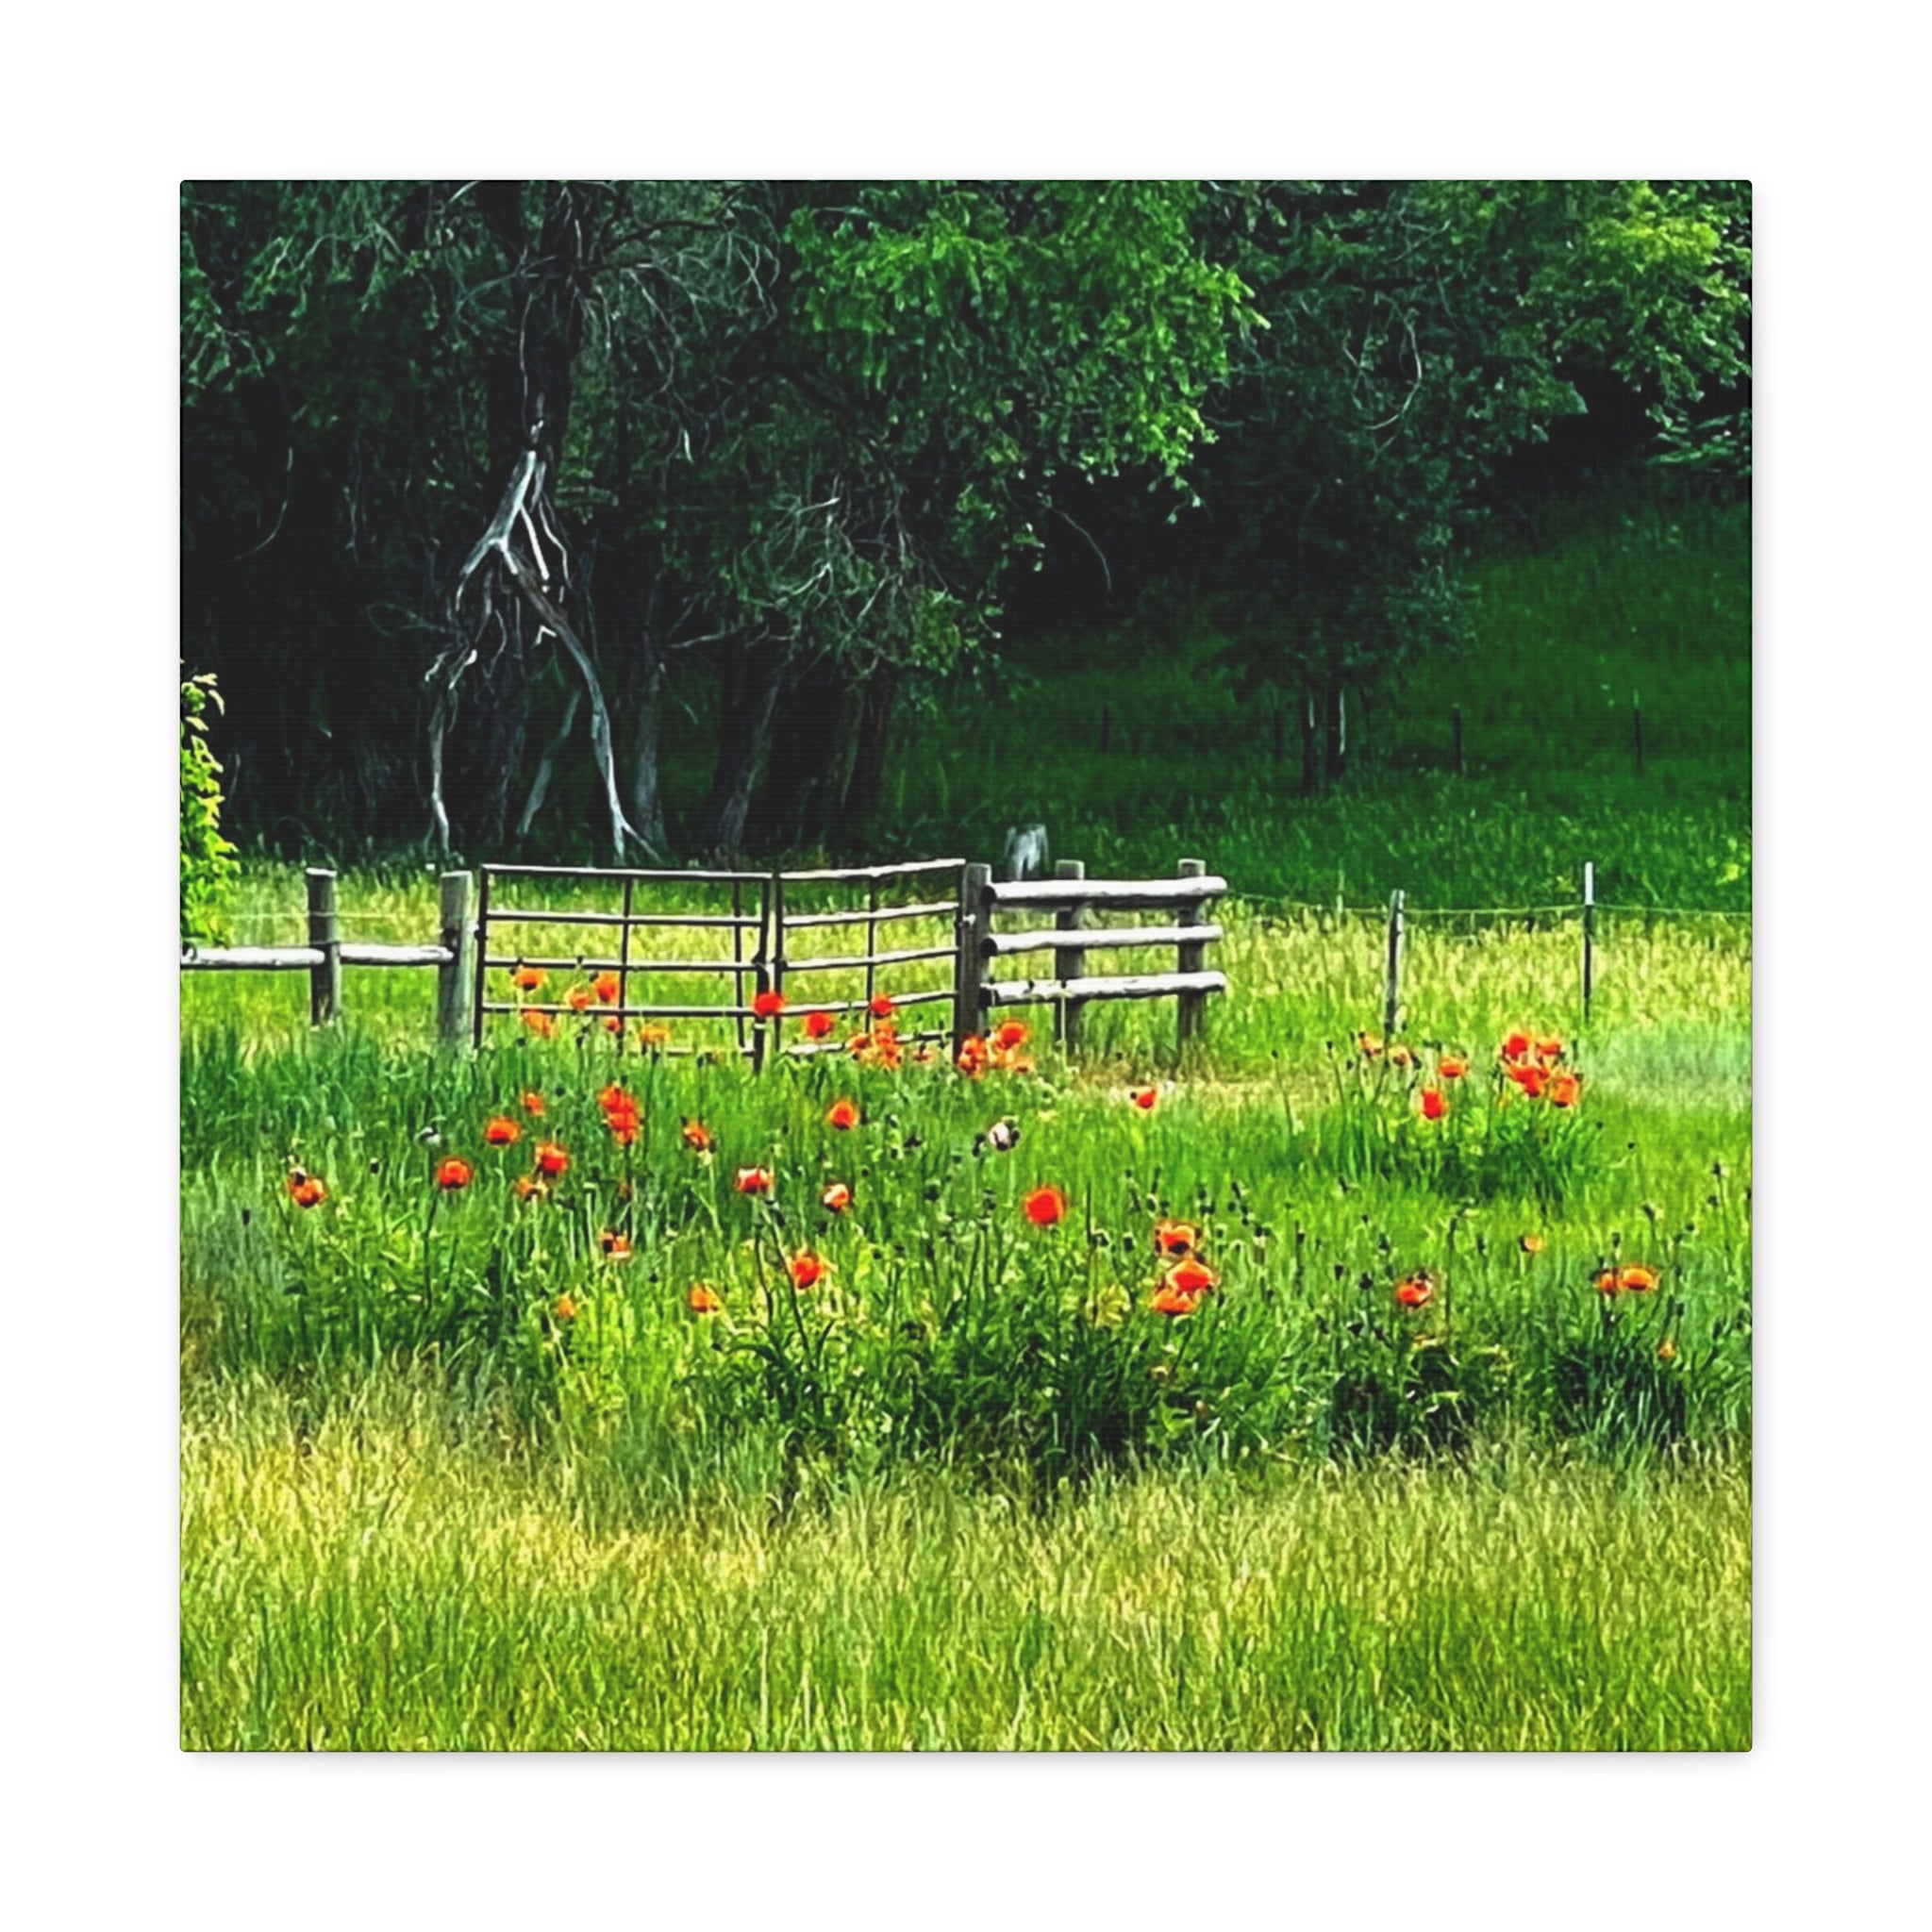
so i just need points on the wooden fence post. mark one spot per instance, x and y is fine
(969, 973)
(1392, 1003)
(1589, 932)
(1072, 965)
(324, 931)
(453, 976)
(1193, 957)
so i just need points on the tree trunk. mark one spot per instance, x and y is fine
(647, 713)
(879, 697)
(814, 733)
(747, 690)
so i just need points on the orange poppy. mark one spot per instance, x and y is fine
(525, 1184)
(577, 998)
(696, 1135)
(533, 1104)
(1637, 1279)
(613, 1025)
(1516, 1046)
(527, 979)
(805, 1268)
(305, 1189)
(653, 1034)
(564, 1308)
(1010, 1033)
(881, 1007)
(542, 1025)
(703, 1301)
(1046, 1205)
(605, 987)
(837, 1198)
(550, 1159)
(843, 1116)
(1549, 1049)
(974, 1055)
(623, 1124)
(754, 1180)
(613, 1095)
(616, 1248)
(1434, 1105)
(453, 1175)
(768, 1006)
(1531, 1243)
(1176, 1238)
(499, 1130)
(1172, 1301)
(1452, 1067)
(1191, 1277)
(1143, 1097)
(820, 1025)
(1417, 1291)
(1530, 1079)
(1564, 1088)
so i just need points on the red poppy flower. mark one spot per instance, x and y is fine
(605, 987)
(453, 1175)
(1549, 1049)
(820, 1025)
(1633, 1279)
(805, 1269)
(1191, 1277)
(579, 997)
(533, 1104)
(499, 1130)
(550, 1159)
(696, 1135)
(1452, 1067)
(1173, 1301)
(1434, 1105)
(1516, 1046)
(754, 1180)
(881, 1007)
(1046, 1205)
(1564, 1089)
(622, 1123)
(1144, 1097)
(542, 1025)
(974, 1055)
(1176, 1238)
(527, 979)
(843, 1115)
(1011, 1033)
(768, 1006)
(837, 1198)
(305, 1189)
(1418, 1291)
(703, 1301)
(1530, 1078)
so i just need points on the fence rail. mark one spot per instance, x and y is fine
(1071, 896)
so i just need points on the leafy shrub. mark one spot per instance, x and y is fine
(208, 859)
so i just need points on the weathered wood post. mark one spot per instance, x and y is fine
(325, 934)
(1193, 957)
(1073, 961)
(458, 938)
(1589, 932)
(1392, 1001)
(968, 974)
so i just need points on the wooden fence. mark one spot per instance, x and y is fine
(769, 934)
(1071, 896)
(326, 953)
(760, 914)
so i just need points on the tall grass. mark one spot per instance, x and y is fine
(382, 1574)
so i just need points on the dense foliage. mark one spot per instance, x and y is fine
(208, 859)
(790, 446)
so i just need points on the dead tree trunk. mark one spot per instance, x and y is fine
(748, 683)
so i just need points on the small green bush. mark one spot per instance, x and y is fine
(208, 859)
